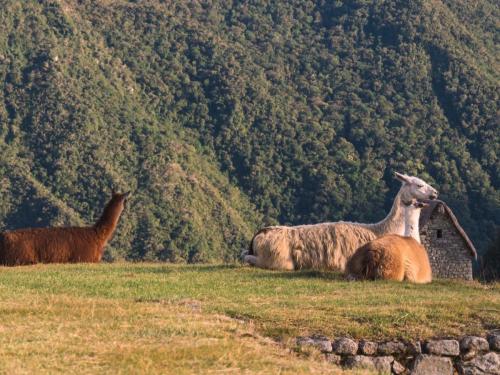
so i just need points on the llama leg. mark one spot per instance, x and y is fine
(286, 265)
(351, 277)
(250, 259)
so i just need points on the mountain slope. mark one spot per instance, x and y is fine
(306, 106)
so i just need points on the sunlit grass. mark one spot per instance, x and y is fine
(155, 318)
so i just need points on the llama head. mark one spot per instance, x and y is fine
(119, 199)
(415, 188)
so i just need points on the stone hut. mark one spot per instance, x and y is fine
(450, 250)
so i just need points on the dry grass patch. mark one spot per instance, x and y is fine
(67, 334)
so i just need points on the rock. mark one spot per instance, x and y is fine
(334, 359)
(319, 342)
(467, 356)
(474, 343)
(442, 347)
(368, 347)
(345, 346)
(398, 368)
(471, 346)
(494, 340)
(413, 348)
(431, 365)
(485, 364)
(379, 364)
(391, 347)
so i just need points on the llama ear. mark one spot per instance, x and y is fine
(401, 177)
(126, 195)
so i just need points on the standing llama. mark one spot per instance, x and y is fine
(330, 245)
(62, 244)
(394, 257)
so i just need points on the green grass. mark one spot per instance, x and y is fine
(124, 318)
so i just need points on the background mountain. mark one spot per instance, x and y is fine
(223, 116)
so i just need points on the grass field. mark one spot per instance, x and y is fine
(152, 318)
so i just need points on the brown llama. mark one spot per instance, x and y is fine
(62, 244)
(394, 257)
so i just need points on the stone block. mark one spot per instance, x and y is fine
(334, 359)
(488, 363)
(368, 347)
(391, 348)
(442, 347)
(321, 343)
(398, 368)
(431, 365)
(345, 346)
(382, 365)
(494, 340)
(471, 346)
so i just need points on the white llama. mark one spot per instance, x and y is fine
(330, 245)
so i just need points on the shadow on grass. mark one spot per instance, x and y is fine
(302, 275)
(182, 268)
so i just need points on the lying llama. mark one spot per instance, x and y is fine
(330, 245)
(394, 257)
(62, 244)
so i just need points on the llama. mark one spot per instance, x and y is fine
(330, 245)
(393, 257)
(62, 244)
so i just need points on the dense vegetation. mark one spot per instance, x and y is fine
(223, 115)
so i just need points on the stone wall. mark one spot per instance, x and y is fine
(467, 355)
(449, 255)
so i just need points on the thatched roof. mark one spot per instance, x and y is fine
(434, 205)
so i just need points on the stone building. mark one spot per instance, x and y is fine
(450, 251)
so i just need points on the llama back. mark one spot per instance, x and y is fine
(383, 258)
(48, 245)
(391, 257)
(327, 245)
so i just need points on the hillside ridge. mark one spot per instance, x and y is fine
(224, 117)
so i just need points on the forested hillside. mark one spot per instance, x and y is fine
(223, 116)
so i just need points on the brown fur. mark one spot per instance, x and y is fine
(62, 244)
(391, 257)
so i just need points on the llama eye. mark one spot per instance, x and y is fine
(420, 186)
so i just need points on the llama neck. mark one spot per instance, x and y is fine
(394, 222)
(412, 215)
(108, 221)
